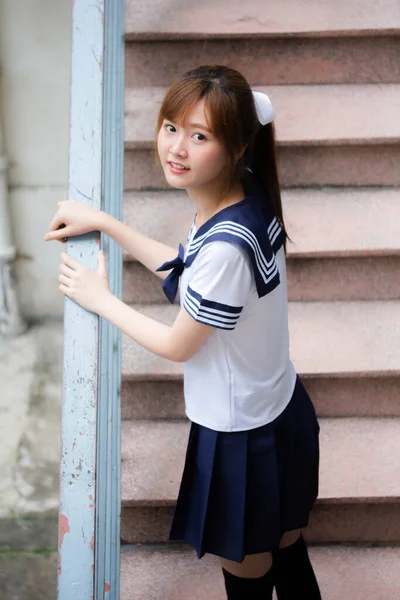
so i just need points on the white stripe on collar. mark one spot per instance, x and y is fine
(266, 268)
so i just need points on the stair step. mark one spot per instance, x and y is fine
(346, 338)
(187, 19)
(348, 354)
(306, 115)
(267, 60)
(309, 279)
(357, 475)
(321, 226)
(166, 572)
(269, 43)
(327, 134)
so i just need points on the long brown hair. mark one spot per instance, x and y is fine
(230, 107)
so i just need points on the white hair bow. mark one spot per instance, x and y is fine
(264, 108)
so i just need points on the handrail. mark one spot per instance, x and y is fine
(88, 565)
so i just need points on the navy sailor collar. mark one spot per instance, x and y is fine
(244, 224)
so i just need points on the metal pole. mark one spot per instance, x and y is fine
(109, 414)
(89, 516)
(81, 361)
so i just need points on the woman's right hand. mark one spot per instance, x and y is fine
(73, 218)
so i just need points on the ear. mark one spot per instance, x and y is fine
(239, 154)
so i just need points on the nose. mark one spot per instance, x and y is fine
(178, 148)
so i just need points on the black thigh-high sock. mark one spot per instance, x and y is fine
(243, 588)
(294, 577)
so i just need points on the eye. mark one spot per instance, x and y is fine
(200, 137)
(172, 128)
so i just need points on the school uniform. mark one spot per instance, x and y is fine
(251, 467)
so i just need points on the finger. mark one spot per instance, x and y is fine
(70, 261)
(65, 280)
(64, 289)
(65, 270)
(56, 222)
(60, 234)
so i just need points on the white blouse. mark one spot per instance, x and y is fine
(234, 280)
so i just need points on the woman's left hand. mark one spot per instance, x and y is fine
(88, 288)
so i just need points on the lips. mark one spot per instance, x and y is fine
(177, 166)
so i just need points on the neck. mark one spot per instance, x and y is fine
(208, 202)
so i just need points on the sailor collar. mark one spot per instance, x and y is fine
(244, 224)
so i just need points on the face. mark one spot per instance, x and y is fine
(191, 156)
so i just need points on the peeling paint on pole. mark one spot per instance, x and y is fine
(89, 520)
(81, 328)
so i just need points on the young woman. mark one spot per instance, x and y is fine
(251, 471)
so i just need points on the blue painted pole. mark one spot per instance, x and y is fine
(108, 502)
(88, 564)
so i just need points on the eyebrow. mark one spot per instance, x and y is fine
(200, 126)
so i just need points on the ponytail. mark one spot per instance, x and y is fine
(263, 165)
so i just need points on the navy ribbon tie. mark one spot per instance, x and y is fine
(171, 282)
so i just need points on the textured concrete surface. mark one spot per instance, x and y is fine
(344, 279)
(35, 49)
(356, 461)
(181, 18)
(32, 534)
(28, 576)
(30, 404)
(370, 522)
(309, 279)
(349, 338)
(269, 61)
(320, 222)
(305, 114)
(37, 262)
(160, 573)
(332, 397)
(298, 166)
(345, 242)
(327, 135)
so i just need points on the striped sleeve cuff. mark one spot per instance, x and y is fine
(211, 313)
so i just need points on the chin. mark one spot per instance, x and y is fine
(175, 183)
(177, 187)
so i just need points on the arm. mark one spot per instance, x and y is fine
(177, 343)
(222, 283)
(149, 252)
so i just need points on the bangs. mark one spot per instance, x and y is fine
(220, 109)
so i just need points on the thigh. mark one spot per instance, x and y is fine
(253, 565)
(290, 537)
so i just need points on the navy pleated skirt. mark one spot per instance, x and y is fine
(240, 491)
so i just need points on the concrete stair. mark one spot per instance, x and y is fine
(358, 503)
(272, 42)
(344, 573)
(186, 19)
(327, 135)
(332, 71)
(350, 364)
(329, 258)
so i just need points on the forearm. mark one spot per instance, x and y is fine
(151, 253)
(152, 335)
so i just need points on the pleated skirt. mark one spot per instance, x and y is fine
(240, 491)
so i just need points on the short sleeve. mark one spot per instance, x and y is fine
(220, 284)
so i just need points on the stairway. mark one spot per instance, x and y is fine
(332, 70)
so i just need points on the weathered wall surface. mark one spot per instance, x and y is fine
(35, 54)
